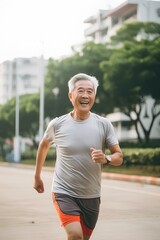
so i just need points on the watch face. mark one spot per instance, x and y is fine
(108, 158)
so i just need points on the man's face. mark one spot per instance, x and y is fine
(83, 96)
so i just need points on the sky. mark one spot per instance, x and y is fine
(30, 28)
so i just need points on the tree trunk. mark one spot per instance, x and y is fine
(147, 132)
(2, 151)
(138, 134)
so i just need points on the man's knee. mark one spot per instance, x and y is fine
(74, 231)
(74, 235)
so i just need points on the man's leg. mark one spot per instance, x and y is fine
(74, 231)
(87, 232)
(86, 238)
(74, 224)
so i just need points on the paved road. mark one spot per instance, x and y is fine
(129, 211)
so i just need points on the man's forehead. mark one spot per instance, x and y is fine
(84, 84)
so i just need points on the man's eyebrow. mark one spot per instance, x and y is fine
(90, 88)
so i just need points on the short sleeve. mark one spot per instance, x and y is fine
(111, 138)
(49, 134)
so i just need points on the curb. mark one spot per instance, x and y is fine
(105, 175)
(132, 178)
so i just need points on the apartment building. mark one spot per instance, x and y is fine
(103, 25)
(22, 75)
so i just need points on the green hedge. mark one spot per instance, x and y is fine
(31, 154)
(132, 156)
(141, 156)
(151, 144)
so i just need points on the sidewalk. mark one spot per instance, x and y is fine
(105, 175)
(132, 178)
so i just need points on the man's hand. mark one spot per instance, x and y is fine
(38, 185)
(115, 152)
(98, 156)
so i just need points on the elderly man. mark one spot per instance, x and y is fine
(81, 138)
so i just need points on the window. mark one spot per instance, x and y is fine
(114, 21)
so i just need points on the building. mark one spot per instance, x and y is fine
(104, 24)
(22, 76)
(101, 27)
(122, 125)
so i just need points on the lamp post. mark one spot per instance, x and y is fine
(41, 103)
(17, 155)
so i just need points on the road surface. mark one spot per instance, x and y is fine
(129, 211)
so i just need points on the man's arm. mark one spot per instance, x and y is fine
(40, 159)
(115, 153)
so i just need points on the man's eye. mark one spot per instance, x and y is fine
(80, 91)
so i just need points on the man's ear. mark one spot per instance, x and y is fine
(70, 96)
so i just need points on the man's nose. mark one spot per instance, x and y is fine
(85, 94)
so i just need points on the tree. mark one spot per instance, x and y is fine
(7, 125)
(5, 130)
(28, 118)
(133, 72)
(136, 30)
(59, 72)
(7, 119)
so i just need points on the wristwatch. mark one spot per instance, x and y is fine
(108, 159)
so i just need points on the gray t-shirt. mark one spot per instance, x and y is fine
(75, 173)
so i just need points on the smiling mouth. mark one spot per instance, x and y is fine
(84, 102)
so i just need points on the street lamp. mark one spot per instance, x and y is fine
(41, 103)
(17, 155)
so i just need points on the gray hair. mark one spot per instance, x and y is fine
(82, 76)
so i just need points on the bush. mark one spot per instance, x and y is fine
(132, 156)
(31, 154)
(130, 144)
(141, 156)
